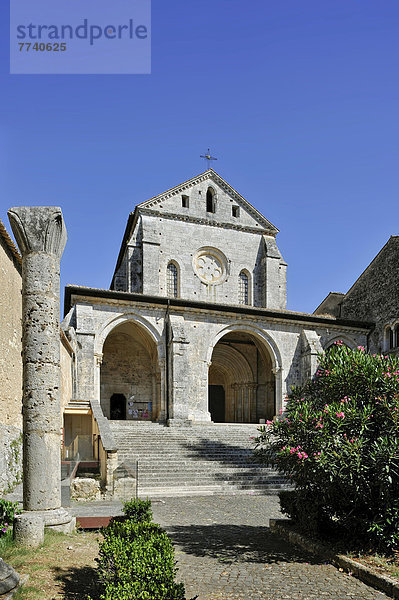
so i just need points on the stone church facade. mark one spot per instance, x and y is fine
(194, 327)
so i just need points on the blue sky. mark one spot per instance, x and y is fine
(298, 100)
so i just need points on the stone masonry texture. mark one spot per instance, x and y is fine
(375, 294)
(10, 333)
(10, 361)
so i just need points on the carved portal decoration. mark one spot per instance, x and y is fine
(210, 265)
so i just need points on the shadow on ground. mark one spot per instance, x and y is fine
(77, 583)
(256, 473)
(232, 543)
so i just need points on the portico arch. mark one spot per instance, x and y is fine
(113, 322)
(127, 353)
(345, 339)
(244, 364)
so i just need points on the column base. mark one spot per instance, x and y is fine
(58, 519)
(29, 526)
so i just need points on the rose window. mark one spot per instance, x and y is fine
(210, 266)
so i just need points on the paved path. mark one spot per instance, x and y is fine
(225, 551)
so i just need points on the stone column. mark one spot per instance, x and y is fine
(252, 402)
(41, 236)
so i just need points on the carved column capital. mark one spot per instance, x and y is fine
(38, 229)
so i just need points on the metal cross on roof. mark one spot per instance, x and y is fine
(209, 158)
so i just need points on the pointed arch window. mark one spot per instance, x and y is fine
(172, 275)
(243, 288)
(210, 200)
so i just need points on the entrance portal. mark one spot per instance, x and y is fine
(217, 403)
(118, 407)
(130, 380)
(241, 380)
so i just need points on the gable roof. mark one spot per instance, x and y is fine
(210, 174)
(153, 202)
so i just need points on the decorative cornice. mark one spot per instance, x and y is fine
(198, 307)
(209, 222)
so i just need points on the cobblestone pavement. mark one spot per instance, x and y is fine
(225, 551)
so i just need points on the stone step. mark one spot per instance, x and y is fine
(195, 467)
(212, 459)
(176, 476)
(159, 492)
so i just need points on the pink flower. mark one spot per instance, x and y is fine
(340, 415)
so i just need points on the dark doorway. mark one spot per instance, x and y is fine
(118, 407)
(216, 403)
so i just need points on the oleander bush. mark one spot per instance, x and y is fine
(8, 510)
(136, 558)
(338, 441)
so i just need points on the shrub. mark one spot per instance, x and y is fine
(138, 510)
(136, 559)
(8, 510)
(338, 441)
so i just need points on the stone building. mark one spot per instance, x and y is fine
(194, 327)
(10, 361)
(374, 297)
(194, 330)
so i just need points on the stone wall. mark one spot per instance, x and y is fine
(10, 333)
(10, 457)
(375, 295)
(10, 363)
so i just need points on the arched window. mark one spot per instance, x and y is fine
(210, 200)
(391, 338)
(243, 289)
(172, 280)
(396, 336)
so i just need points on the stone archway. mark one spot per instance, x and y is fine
(130, 370)
(243, 368)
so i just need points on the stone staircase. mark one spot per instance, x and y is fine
(198, 460)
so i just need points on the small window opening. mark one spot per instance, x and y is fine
(235, 211)
(243, 295)
(184, 201)
(210, 201)
(172, 281)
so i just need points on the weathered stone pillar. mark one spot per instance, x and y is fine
(41, 236)
(252, 402)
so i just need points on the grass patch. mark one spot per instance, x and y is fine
(64, 567)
